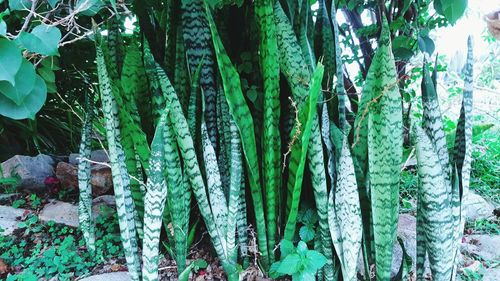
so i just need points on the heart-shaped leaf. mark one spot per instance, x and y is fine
(452, 10)
(88, 7)
(30, 105)
(19, 5)
(43, 39)
(24, 83)
(10, 60)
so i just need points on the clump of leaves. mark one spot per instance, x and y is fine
(298, 262)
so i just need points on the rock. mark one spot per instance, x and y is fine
(474, 267)
(476, 207)
(101, 178)
(491, 274)
(67, 175)
(7, 197)
(9, 219)
(100, 203)
(407, 231)
(114, 276)
(484, 246)
(60, 212)
(32, 171)
(96, 156)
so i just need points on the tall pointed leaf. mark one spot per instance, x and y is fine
(243, 119)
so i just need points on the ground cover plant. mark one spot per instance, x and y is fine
(240, 118)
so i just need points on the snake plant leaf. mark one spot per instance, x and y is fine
(134, 81)
(154, 200)
(236, 173)
(179, 195)
(306, 117)
(344, 215)
(121, 181)
(324, 44)
(192, 169)
(268, 50)
(181, 72)
(432, 121)
(463, 138)
(199, 49)
(302, 29)
(462, 151)
(340, 89)
(85, 189)
(435, 212)
(296, 72)
(385, 148)
(243, 119)
(241, 222)
(216, 195)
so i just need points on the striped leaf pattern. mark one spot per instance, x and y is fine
(297, 74)
(268, 48)
(463, 138)
(339, 66)
(297, 164)
(432, 121)
(85, 189)
(385, 148)
(154, 201)
(216, 195)
(121, 181)
(344, 215)
(243, 119)
(193, 172)
(197, 41)
(434, 209)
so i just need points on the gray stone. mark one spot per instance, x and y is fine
(407, 231)
(113, 276)
(100, 203)
(476, 207)
(9, 219)
(6, 197)
(60, 212)
(96, 156)
(491, 274)
(32, 171)
(484, 246)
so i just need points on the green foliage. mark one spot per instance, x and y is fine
(298, 262)
(452, 10)
(43, 40)
(51, 250)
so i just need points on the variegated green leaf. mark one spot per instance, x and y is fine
(434, 211)
(268, 49)
(243, 119)
(344, 215)
(121, 181)
(199, 49)
(385, 149)
(85, 199)
(154, 201)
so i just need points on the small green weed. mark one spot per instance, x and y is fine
(298, 262)
(52, 250)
